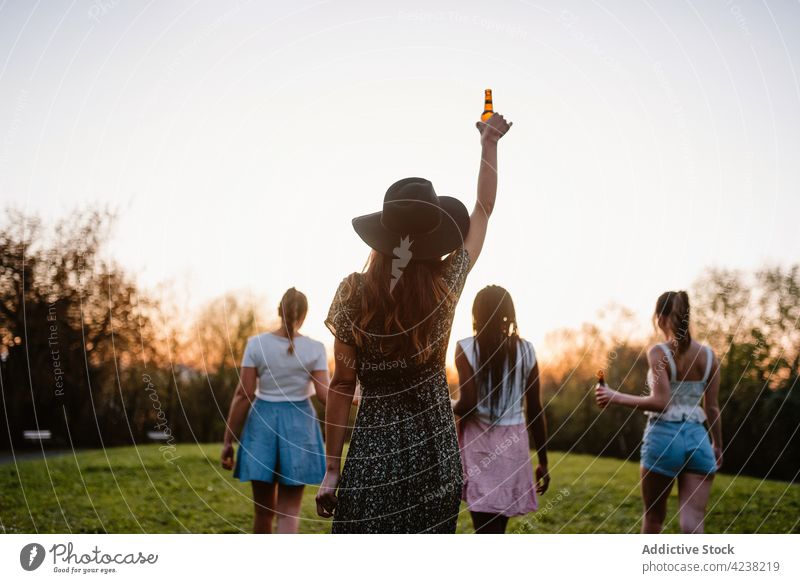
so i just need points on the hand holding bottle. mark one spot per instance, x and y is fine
(493, 129)
(602, 393)
(492, 126)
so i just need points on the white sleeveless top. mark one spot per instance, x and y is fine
(686, 397)
(511, 408)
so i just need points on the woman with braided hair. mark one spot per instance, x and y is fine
(498, 377)
(280, 447)
(683, 383)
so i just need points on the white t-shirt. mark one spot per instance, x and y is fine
(283, 376)
(511, 407)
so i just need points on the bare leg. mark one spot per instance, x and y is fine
(264, 502)
(486, 523)
(693, 492)
(655, 492)
(288, 509)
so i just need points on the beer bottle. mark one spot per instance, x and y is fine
(601, 379)
(488, 110)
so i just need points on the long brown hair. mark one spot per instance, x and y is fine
(674, 306)
(399, 308)
(293, 308)
(496, 342)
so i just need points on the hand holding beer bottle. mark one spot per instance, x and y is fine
(492, 126)
(601, 392)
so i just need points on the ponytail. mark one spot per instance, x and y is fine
(292, 310)
(674, 306)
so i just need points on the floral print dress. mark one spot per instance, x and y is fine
(403, 468)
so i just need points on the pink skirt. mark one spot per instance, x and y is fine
(498, 475)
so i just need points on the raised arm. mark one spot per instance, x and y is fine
(491, 131)
(240, 405)
(657, 400)
(337, 413)
(711, 407)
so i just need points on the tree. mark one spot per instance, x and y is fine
(74, 327)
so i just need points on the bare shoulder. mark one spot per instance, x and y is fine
(656, 354)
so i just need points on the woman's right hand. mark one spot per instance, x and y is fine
(493, 128)
(326, 496)
(542, 479)
(226, 457)
(602, 395)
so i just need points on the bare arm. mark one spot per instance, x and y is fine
(535, 413)
(337, 413)
(467, 391)
(240, 405)
(657, 400)
(538, 425)
(321, 381)
(340, 397)
(491, 131)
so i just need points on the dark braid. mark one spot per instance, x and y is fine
(675, 307)
(292, 310)
(496, 342)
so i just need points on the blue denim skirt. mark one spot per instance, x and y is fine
(672, 447)
(281, 442)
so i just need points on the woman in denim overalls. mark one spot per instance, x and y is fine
(684, 384)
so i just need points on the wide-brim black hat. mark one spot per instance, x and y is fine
(415, 223)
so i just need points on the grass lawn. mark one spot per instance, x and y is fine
(133, 490)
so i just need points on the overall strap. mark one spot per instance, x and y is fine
(709, 362)
(673, 369)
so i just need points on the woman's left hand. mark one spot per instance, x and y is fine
(226, 457)
(603, 395)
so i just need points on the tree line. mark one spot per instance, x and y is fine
(88, 354)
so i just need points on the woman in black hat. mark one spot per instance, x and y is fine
(391, 325)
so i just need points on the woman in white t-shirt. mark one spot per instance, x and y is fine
(280, 447)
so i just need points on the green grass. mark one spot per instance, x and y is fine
(132, 490)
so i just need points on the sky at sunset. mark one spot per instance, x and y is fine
(236, 140)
